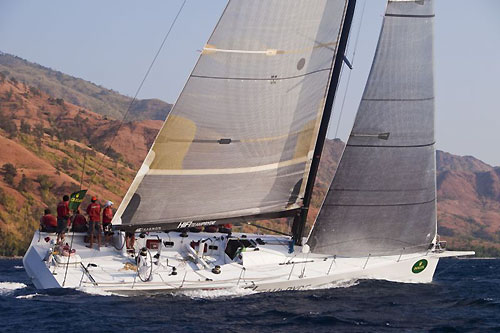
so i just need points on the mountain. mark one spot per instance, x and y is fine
(468, 192)
(44, 145)
(80, 92)
(469, 203)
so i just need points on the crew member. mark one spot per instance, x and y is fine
(107, 216)
(211, 228)
(129, 240)
(48, 222)
(94, 213)
(62, 218)
(226, 228)
(79, 222)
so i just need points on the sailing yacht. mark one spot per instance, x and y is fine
(243, 143)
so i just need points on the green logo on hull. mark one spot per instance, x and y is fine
(419, 266)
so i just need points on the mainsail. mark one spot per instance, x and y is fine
(240, 138)
(382, 200)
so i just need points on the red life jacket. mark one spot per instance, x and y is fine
(107, 215)
(94, 212)
(48, 220)
(79, 219)
(63, 209)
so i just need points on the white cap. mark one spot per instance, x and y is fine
(108, 203)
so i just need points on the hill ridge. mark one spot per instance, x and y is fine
(44, 144)
(57, 134)
(81, 92)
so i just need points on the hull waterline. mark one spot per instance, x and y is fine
(173, 263)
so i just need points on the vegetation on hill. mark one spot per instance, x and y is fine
(469, 203)
(45, 140)
(44, 144)
(80, 92)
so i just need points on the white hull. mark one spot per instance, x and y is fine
(270, 268)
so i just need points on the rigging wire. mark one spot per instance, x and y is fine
(98, 169)
(447, 268)
(99, 166)
(72, 223)
(69, 251)
(349, 75)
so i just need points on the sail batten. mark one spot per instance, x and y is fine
(383, 196)
(239, 139)
(386, 146)
(258, 168)
(262, 78)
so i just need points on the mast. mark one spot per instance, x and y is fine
(224, 154)
(300, 219)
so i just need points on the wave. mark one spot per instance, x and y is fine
(97, 292)
(239, 292)
(336, 284)
(8, 287)
(216, 293)
(29, 296)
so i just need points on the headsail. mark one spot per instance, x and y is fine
(383, 197)
(239, 139)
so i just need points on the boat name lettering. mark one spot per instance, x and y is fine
(255, 287)
(189, 224)
(148, 229)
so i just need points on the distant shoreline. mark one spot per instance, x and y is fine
(11, 258)
(476, 258)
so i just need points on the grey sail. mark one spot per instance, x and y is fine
(382, 200)
(240, 137)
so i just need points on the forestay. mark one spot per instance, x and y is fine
(239, 139)
(383, 197)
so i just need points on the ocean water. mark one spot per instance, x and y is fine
(464, 297)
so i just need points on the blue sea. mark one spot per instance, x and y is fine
(464, 297)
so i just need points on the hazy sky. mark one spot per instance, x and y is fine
(112, 43)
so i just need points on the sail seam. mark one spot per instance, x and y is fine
(357, 240)
(260, 79)
(266, 167)
(382, 146)
(397, 99)
(362, 190)
(271, 138)
(386, 205)
(209, 49)
(410, 16)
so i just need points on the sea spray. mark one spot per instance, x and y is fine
(8, 287)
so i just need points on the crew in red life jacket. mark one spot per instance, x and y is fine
(79, 222)
(95, 226)
(130, 240)
(62, 218)
(211, 228)
(107, 216)
(226, 228)
(48, 221)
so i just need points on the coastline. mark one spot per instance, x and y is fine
(11, 258)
